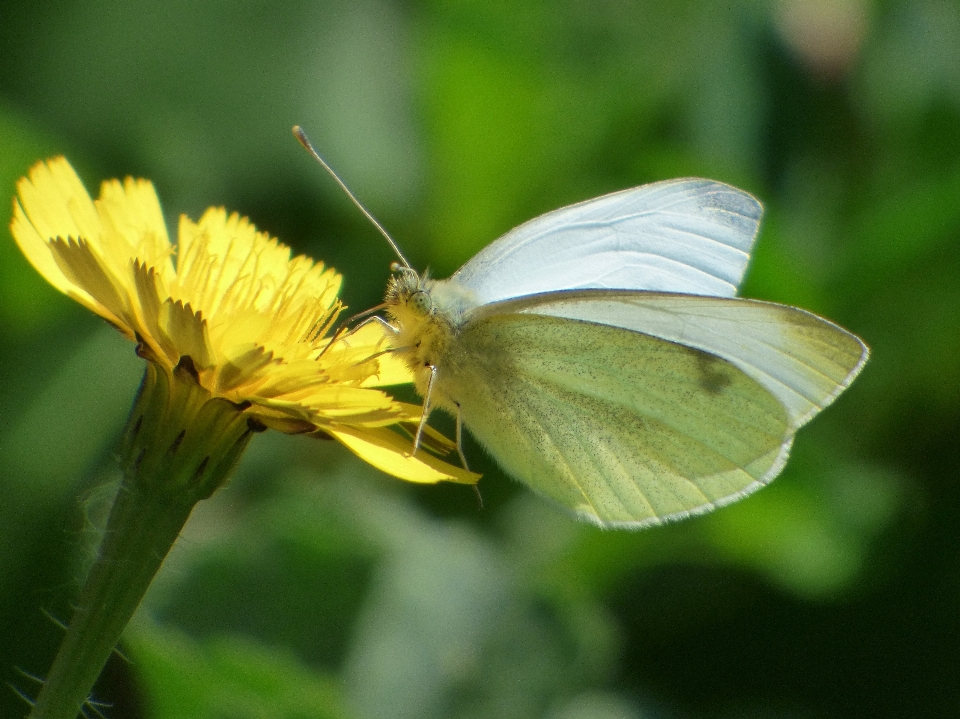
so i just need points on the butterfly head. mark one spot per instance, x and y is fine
(422, 334)
(428, 314)
(408, 295)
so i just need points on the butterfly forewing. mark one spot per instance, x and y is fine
(692, 236)
(619, 426)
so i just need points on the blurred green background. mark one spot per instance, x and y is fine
(314, 586)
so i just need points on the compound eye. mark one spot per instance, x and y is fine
(420, 301)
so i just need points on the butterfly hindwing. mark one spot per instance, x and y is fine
(804, 360)
(621, 427)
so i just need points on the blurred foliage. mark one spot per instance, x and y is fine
(314, 587)
(228, 677)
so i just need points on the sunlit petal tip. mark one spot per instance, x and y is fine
(50, 199)
(133, 222)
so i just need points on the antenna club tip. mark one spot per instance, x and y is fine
(301, 136)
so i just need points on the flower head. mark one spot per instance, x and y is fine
(229, 305)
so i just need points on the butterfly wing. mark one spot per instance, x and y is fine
(623, 428)
(804, 360)
(692, 236)
(629, 428)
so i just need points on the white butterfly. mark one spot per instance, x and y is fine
(601, 356)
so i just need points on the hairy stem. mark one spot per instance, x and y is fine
(179, 446)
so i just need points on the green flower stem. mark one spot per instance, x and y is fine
(179, 446)
(139, 534)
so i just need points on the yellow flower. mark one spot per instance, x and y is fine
(229, 306)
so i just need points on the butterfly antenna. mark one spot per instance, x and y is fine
(305, 141)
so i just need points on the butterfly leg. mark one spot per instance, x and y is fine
(389, 327)
(425, 412)
(463, 458)
(383, 323)
(344, 328)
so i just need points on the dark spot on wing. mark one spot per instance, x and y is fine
(714, 371)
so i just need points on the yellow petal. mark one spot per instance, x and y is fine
(390, 453)
(87, 249)
(133, 225)
(53, 203)
(368, 407)
(430, 438)
(183, 332)
(241, 368)
(224, 258)
(250, 290)
(150, 294)
(391, 370)
(86, 272)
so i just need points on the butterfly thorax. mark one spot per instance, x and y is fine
(428, 315)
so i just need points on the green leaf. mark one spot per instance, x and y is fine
(226, 678)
